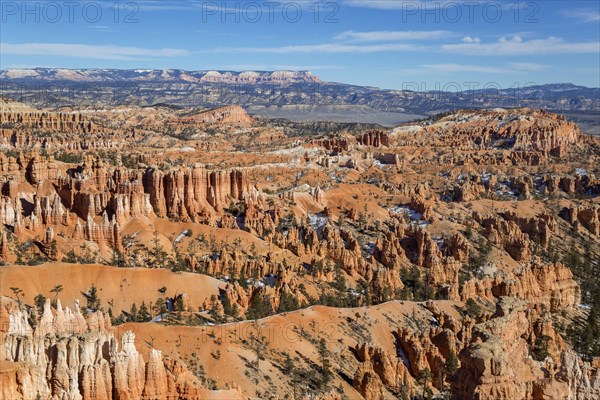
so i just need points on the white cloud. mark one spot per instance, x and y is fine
(518, 46)
(327, 48)
(510, 68)
(103, 52)
(469, 39)
(414, 4)
(528, 66)
(276, 67)
(584, 15)
(454, 68)
(383, 36)
(388, 4)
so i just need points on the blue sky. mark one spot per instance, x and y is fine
(391, 44)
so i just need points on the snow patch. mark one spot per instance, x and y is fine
(181, 236)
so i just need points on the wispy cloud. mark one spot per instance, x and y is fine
(160, 5)
(584, 15)
(510, 68)
(101, 28)
(102, 52)
(387, 36)
(410, 4)
(528, 66)
(326, 48)
(517, 46)
(278, 67)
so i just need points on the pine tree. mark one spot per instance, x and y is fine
(93, 302)
(404, 392)
(451, 365)
(472, 308)
(39, 301)
(18, 292)
(288, 365)
(326, 373)
(160, 306)
(56, 290)
(257, 308)
(227, 307)
(143, 313)
(133, 313)
(424, 378)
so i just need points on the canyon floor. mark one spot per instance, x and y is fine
(184, 253)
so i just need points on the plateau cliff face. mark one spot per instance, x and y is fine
(555, 97)
(149, 75)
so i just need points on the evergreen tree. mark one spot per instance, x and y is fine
(133, 313)
(56, 290)
(93, 302)
(404, 391)
(288, 364)
(451, 365)
(227, 307)
(18, 292)
(160, 306)
(39, 301)
(473, 309)
(424, 379)
(257, 308)
(326, 373)
(288, 302)
(118, 259)
(143, 313)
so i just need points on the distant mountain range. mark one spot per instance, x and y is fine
(156, 75)
(283, 94)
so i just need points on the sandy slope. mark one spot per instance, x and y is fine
(296, 333)
(123, 286)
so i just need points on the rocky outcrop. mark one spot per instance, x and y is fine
(33, 129)
(68, 356)
(506, 234)
(550, 285)
(106, 232)
(374, 139)
(95, 200)
(589, 218)
(525, 130)
(334, 144)
(539, 228)
(497, 363)
(230, 115)
(187, 193)
(580, 377)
